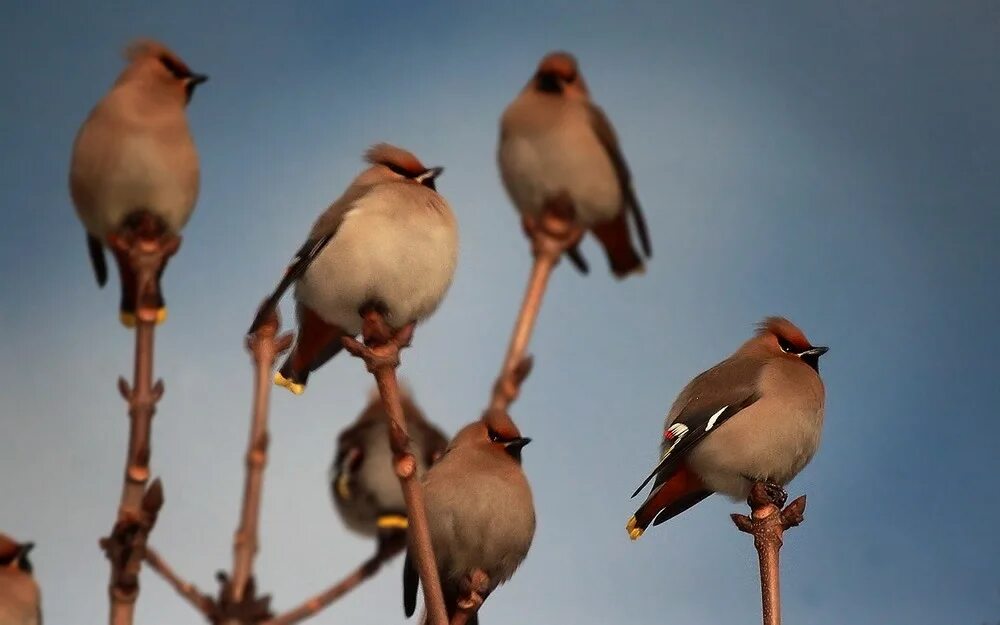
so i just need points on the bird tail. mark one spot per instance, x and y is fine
(129, 304)
(622, 255)
(317, 342)
(675, 495)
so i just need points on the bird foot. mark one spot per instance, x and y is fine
(555, 231)
(475, 587)
(766, 492)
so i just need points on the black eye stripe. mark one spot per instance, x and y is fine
(786, 346)
(179, 71)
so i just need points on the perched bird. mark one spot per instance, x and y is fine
(479, 511)
(754, 417)
(364, 485)
(389, 242)
(134, 157)
(556, 143)
(20, 600)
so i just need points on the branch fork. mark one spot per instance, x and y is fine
(767, 523)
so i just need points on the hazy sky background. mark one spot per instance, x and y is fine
(835, 162)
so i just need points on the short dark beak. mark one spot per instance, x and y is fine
(815, 351)
(430, 174)
(517, 443)
(196, 79)
(25, 548)
(515, 446)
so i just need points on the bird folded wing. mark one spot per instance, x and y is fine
(693, 424)
(606, 135)
(300, 262)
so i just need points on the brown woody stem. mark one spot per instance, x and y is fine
(200, 601)
(265, 346)
(767, 523)
(316, 603)
(551, 235)
(146, 247)
(380, 352)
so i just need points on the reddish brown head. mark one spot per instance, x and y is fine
(154, 63)
(558, 74)
(781, 337)
(400, 163)
(14, 554)
(496, 432)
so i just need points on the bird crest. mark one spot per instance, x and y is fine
(150, 48)
(395, 158)
(785, 330)
(559, 63)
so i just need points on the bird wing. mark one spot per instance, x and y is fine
(322, 232)
(300, 262)
(96, 250)
(606, 135)
(410, 582)
(706, 403)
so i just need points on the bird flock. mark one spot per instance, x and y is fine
(390, 243)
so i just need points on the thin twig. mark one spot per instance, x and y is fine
(551, 234)
(316, 603)
(201, 601)
(767, 523)
(265, 346)
(146, 247)
(381, 355)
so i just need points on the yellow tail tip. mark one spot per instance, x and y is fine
(130, 319)
(127, 319)
(392, 521)
(294, 387)
(633, 532)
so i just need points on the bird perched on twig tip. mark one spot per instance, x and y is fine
(556, 143)
(390, 242)
(134, 157)
(754, 417)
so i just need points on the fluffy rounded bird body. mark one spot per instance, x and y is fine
(135, 155)
(390, 242)
(364, 485)
(755, 417)
(479, 510)
(556, 144)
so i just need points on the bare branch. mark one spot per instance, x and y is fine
(146, 247)
(316, 603)
(381, 355)
(265, 346)
(768, 522)
(201, 601)
(551, 235)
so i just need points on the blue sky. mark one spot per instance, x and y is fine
(834, 162)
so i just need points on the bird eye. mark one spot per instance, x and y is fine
(178, 70)
(494, 436)
(786, 346)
